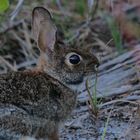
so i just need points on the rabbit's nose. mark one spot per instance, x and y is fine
(96, 67)
(97, 64)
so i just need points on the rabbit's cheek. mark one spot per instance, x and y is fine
(72, 78)
(68, 68)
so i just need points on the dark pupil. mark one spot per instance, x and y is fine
(74, 59)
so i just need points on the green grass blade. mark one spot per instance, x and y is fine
(115, 33)
(4, 4)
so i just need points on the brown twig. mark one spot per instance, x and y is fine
(17, 9)
(8, 64)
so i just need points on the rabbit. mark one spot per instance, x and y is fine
(34, 103)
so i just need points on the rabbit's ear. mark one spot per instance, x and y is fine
(44, 30)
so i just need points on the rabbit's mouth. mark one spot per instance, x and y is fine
(74, 80)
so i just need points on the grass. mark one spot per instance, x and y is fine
(116, 35)
(93, 100)
(105, 128)
(4, 4)
(94, 105)
(80, 7)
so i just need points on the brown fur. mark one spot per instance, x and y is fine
(33, 103)
(37, 100)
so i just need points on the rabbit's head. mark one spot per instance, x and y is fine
(68, 64)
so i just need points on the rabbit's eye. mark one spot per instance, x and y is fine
(73, 58)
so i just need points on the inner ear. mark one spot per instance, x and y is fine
(44, 30)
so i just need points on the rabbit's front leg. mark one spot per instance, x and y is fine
(45, 134)
(53, 136)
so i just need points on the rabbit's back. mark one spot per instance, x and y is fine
(43, 100)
